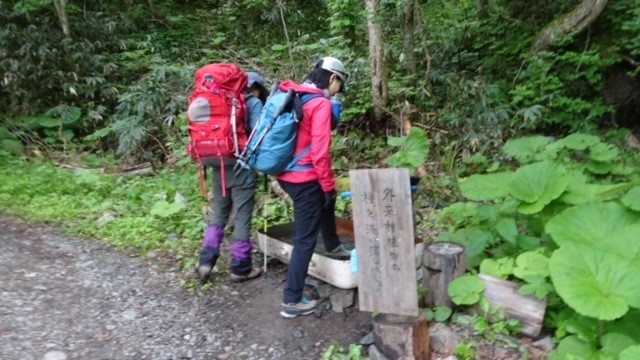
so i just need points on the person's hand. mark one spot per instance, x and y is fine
(330, 200)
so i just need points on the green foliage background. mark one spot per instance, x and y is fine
(128, 64)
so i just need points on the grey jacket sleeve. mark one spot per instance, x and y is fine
(254, 108)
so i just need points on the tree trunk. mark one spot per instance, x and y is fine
(482, 6)
(575, 21)
(409, 27)
(61, 11)
(379, 89)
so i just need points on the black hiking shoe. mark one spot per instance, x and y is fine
(204, 272)
(254, 273)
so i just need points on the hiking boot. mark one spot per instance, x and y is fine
(254, 273)
(340, 253)
(204, 272)
(303, 307)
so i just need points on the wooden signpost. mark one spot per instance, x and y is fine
(385, 243)
(383, 224)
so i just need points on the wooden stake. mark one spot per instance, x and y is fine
(443, 262)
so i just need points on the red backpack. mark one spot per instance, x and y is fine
(216, 114)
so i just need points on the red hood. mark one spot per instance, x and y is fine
(300, 88)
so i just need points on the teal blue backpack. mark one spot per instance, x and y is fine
(271, 146)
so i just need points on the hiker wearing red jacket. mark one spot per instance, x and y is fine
(312, 190)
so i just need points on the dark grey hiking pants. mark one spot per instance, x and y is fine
(240, 193)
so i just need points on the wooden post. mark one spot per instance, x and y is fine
(443, 262)
(401, 337)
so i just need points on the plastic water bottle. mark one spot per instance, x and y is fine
(336, 110)
(354, 261)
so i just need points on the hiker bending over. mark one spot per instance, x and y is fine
(239, 190)
(312, 189)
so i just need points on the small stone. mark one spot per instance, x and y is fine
(312, 281)
(172, 237)
(129, 314)
(375, 354)
(55, 355)
(228, 348)
(368, 339)
(341, 299)
(443, 339)
(298, 333)
(546, 344)
(104, 220)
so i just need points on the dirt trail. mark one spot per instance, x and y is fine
(66, 298)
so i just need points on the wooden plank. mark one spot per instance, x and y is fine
(504, 294)
(384, 237)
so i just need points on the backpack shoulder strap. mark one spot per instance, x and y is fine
(300, 100)
(305, 98)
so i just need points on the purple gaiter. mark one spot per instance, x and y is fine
(213, 237)
(240, 250)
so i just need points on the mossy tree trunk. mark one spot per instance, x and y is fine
(409, 37)
(61, 11)
(575, 21)
(379, 84)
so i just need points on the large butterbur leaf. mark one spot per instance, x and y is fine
(624, 242)
(486, 187)
(630, 353)
(579, 141)
(595, 283)
(589, 223)
(632, 199)
(583, 193)
(599, 167)
(508, 229)
(530, 264)
(572, 347)
(466, 290)
(536, 185)
(613, 344)
(523, 149)
(603, 152)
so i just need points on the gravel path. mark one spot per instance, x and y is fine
(65, 298)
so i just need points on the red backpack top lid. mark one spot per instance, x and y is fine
(225, 76)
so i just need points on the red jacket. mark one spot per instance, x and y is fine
(315, 130)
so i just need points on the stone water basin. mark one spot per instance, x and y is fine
(276, 242)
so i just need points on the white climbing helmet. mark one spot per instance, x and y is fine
(335, 66)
